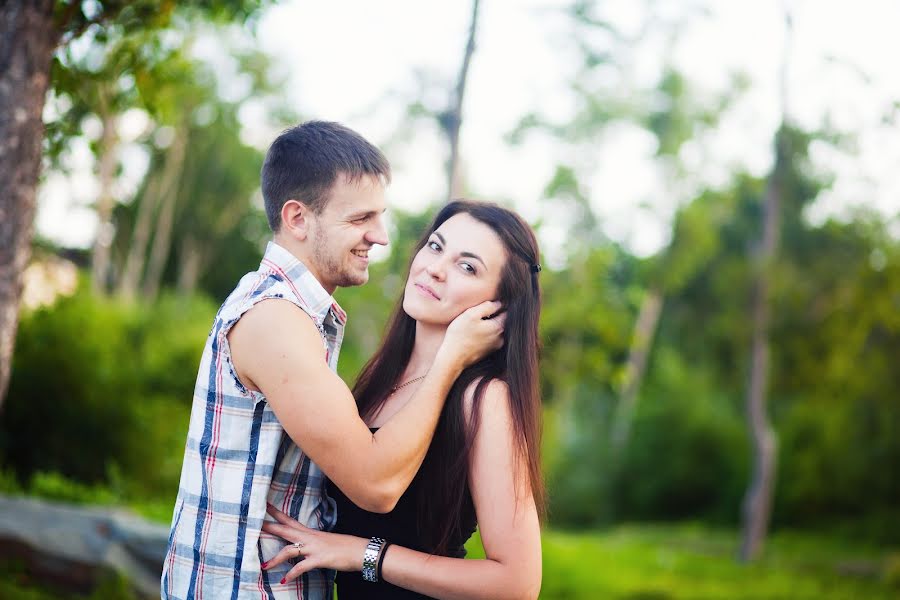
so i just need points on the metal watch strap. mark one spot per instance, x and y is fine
(370, 559)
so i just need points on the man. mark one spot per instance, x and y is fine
(270, 417)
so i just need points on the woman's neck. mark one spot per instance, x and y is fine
(425, 349)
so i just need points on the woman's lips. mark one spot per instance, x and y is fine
(426, 291)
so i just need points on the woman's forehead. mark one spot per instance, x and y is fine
(464, 233)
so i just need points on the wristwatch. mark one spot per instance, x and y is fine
(370, 559)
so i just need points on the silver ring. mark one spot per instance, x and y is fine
(297, 546)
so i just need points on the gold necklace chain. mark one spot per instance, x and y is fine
(403, 385)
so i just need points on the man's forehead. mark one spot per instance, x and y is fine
(365, 193)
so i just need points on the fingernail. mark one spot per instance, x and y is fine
(265, 564)
(283, 580)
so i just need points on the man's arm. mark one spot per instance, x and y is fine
(277, 349)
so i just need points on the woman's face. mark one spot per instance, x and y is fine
(457, 268)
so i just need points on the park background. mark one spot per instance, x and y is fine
(716, 189)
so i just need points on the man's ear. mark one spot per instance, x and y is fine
(296, 219)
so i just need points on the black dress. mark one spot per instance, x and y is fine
(398, 527)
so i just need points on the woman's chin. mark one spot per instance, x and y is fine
(425, 315)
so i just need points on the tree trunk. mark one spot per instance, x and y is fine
(190, 266)
(757, 506)
(28, 37)
(106, 171)
(162, 238)
(644, 330)
(452, 119)
(136, 260)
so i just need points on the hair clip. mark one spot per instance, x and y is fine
(535, 268)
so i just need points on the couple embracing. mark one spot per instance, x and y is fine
(290, 477)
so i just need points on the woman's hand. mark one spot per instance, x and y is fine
(315, 549)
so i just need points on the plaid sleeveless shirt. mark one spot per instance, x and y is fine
(238, 457)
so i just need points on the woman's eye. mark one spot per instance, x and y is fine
(468, 268)
(434, 246)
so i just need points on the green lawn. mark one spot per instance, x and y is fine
(696, 562)
(661, 562)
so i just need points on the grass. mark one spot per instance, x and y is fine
(696, 562)
(658, 562)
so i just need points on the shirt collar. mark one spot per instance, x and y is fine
(307, 288)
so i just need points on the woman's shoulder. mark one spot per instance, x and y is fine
(494, 394)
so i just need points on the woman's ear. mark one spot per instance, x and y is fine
(296, 219)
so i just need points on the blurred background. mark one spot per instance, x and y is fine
(716, 189)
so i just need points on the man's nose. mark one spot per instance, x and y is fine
(378, 233)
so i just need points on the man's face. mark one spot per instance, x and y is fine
(344, 232)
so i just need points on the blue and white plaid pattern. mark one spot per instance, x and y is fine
(238, 457)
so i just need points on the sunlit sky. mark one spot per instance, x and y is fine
(361, 63)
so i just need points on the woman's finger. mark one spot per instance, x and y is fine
(283, 518)
(289, 552)
(299, 569)
(283, 531)
(280, 516)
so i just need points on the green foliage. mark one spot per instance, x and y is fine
(685, 457)
(687, 453)
(100, 390)
(118, 54)
(834, 383)
(54, 486)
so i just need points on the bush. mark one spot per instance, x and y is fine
(685, 457)
(101, 390)
(682, 462)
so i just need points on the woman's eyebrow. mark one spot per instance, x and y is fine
(465, 254)
(475, 256)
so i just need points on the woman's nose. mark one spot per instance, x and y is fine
(435, 269)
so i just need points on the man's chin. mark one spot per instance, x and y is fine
(354, 279)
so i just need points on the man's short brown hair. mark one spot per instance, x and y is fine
(304, 162)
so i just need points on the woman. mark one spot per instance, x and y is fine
(483, 463)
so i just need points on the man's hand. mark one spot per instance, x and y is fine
(474, 334)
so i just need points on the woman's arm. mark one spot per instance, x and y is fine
(506, 515)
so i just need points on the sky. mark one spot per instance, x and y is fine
(361, 63)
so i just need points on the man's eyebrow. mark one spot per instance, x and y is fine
(365, 213)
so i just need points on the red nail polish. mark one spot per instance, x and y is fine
(283, 580)
(265, 564)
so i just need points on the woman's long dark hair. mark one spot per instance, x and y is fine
(443, 489)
